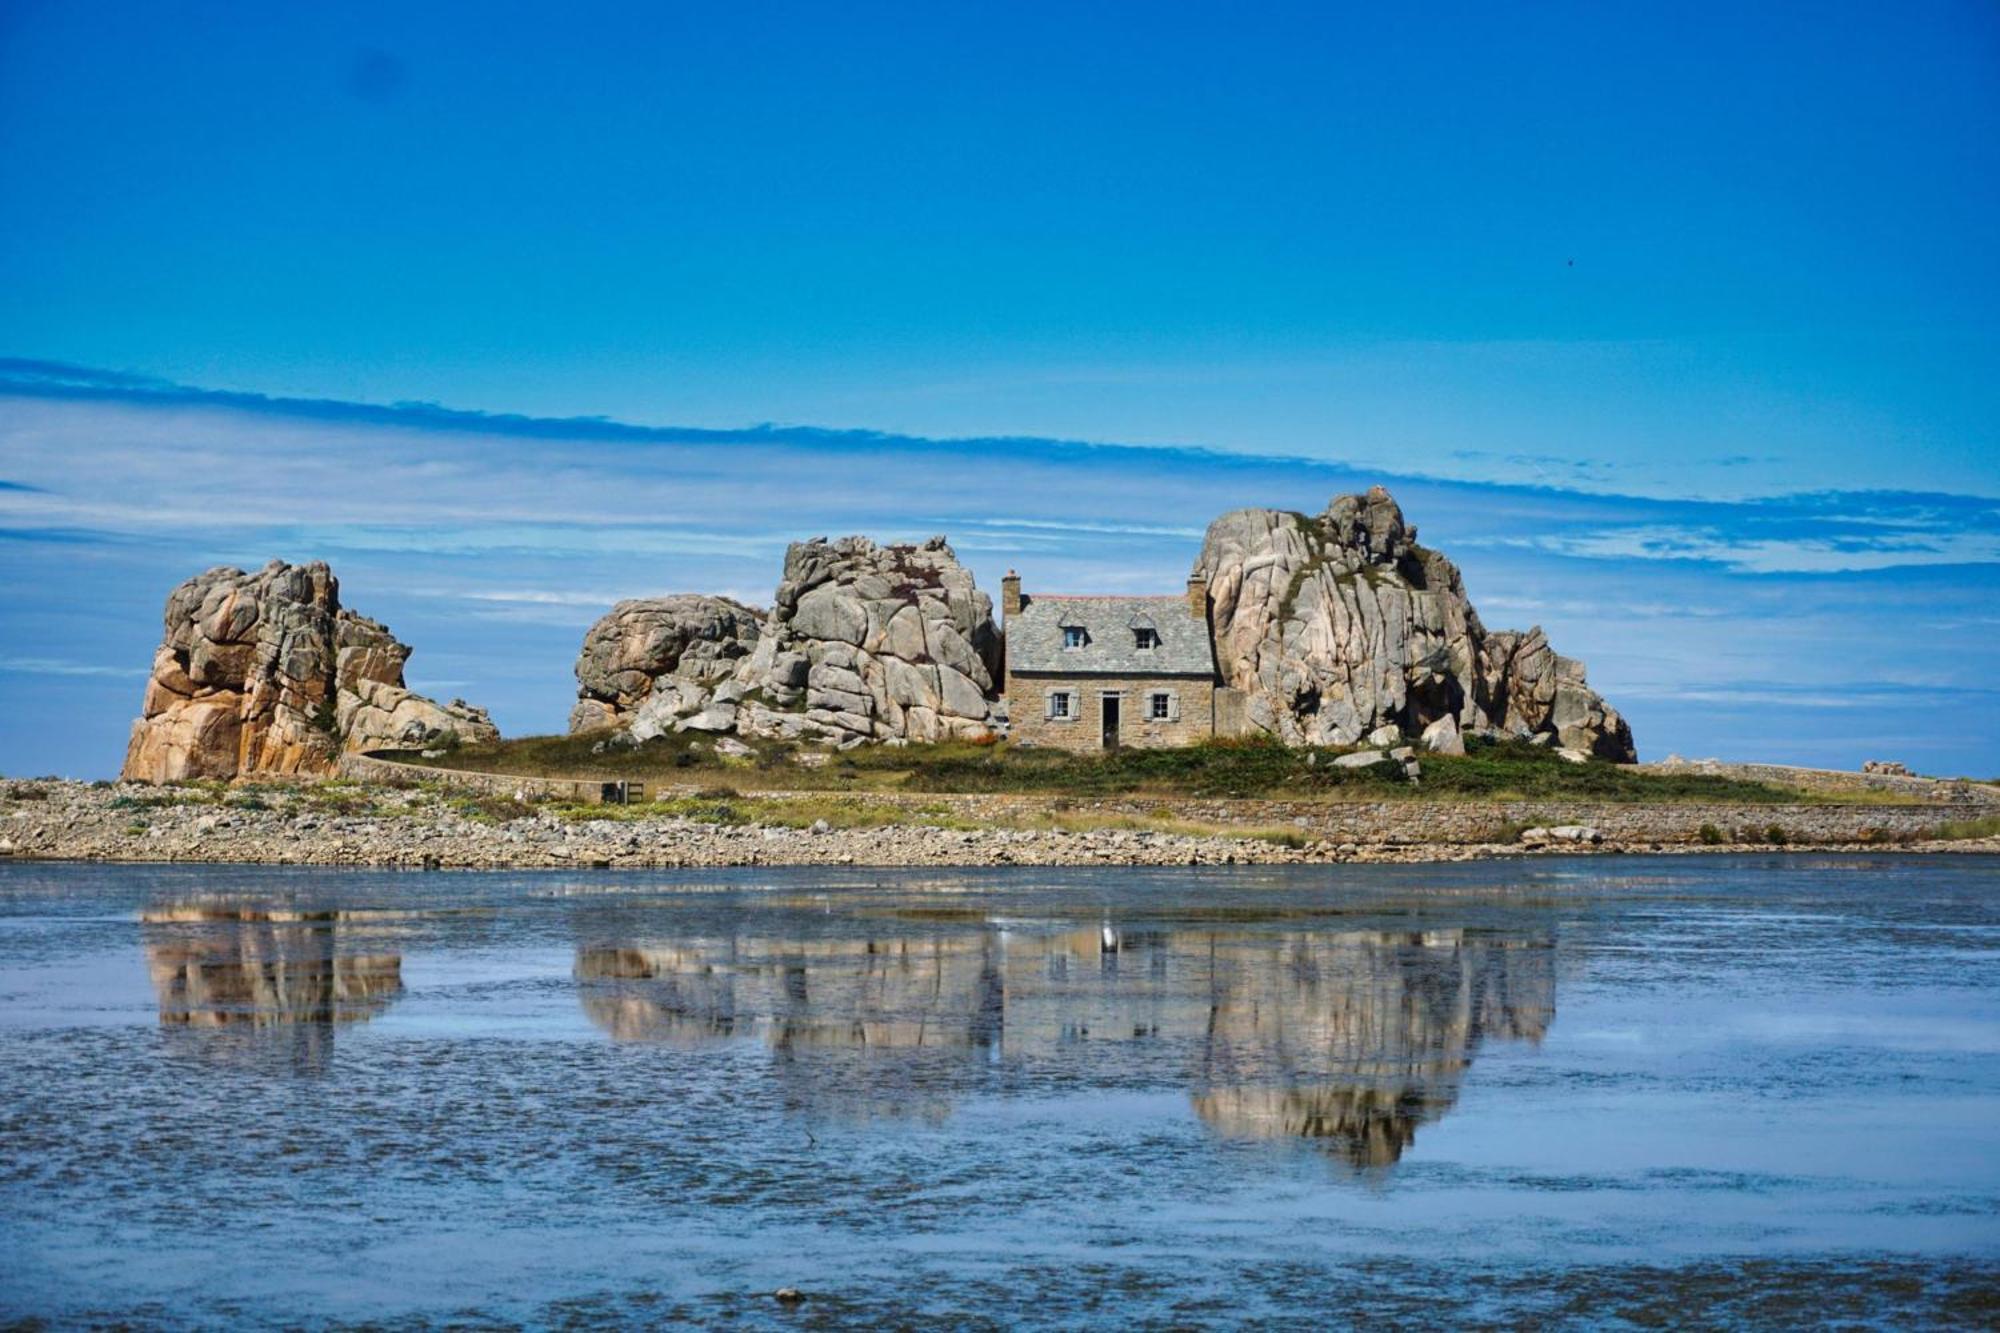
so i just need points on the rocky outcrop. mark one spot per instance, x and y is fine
(1532, 690)
(375, 710)
(654, 662)
(266, 673)
(863, 642)
(870, 642)
(1340, 628)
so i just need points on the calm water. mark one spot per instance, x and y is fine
(1758, 1090)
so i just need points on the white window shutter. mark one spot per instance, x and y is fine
(1173, 706)
(1048, 704)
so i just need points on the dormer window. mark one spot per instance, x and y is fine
(1145, 638)
(1073, 636)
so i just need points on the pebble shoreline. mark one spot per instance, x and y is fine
(77, 821)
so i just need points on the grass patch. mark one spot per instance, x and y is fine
(170, 797)
(1253, 767)
(1961, 830)
(486, 808)
(841, 811)
(726, 806)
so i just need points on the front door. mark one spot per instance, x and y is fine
(1110, 721)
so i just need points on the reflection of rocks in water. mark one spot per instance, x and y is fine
(794, 993)
(228, 966)
(669, 995)
(824, 1007)
(1368, 1126)
(1353, 1038)
(1359, 1039)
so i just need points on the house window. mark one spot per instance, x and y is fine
(1160, 706)
(1058, 704)
(1146, 639)
(1072, 636)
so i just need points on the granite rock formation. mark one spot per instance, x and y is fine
(870, 642)
(1340, 627)
(863, 642)
(655, 663)
(266, 673)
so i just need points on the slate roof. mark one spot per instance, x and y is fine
(1035, 637)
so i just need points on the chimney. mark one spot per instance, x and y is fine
(1010, 595)
(1198, 596)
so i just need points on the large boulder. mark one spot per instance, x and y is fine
(1338, 626)
(863, 642)
(868, 642)
(663, 655)
(266, 673)
(375, 710)
(1531, 690)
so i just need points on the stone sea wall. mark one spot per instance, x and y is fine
(369, 768)
(1833, 782)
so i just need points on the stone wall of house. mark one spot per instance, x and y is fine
(1084, 729)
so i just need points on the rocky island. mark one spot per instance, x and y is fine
(1346, 702)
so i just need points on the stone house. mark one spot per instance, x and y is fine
(1095, 673)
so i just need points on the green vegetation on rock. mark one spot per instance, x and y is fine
(1249, 768)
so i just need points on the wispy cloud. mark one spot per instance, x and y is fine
(51, 666)
(544, 596)
(1743, 553)
(1622, 610)
(1064, 529)
(1824, 693)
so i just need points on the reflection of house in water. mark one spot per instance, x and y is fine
(1352, 1038)
(289, 975)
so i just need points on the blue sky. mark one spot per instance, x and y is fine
(1678, 329)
